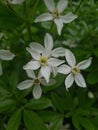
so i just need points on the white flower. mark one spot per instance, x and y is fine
(35, 81)
(73, 70)
(55, 14)
(44, 57)
(16, 1)
(5, 55)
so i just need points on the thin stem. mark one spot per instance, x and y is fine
(35, 6)
(27, 21)
(79, 6)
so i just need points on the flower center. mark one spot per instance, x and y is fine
(43, 60)
(56, 13)
(75, 70)
(37, 81)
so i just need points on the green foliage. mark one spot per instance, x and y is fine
(57, 107)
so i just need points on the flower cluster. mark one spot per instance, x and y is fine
(45, 61)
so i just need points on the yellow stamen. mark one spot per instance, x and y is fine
(43, 60)
(56, 13)
(75, 70)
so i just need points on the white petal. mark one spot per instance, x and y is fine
(37, 91)
(44, 17)
(80, 81)
(54, 70)
(50, 5)
(51, 82)
(62, 4)
(25, 84)
(70, 57)
(64, 69)
(69, 81)
(45, 72)
(60, 51)
(33, 65)
(6, 55)
(37, 46)
(31, 74)
(68, 17)
(48, 41)
(35, 54)
(59, 24)
(84, 64)
(55, 62)
(1, 71)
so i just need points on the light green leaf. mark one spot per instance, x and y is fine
(33, 121)
(41, 103)
(14, 121)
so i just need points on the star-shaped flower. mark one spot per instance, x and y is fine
(74, 70)
(55, 14)
(44, 57)
(5, 55)
(35, 81)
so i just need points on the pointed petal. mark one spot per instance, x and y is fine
(51, 82)
(25, 84)
(1, 71)
(50, 5)
(35, 54)
(70, 58)
(37, 91)
(45, 72)
(60, 51)
(64, 69)
(48, 41)
(36, 46)
(69, 81)
(62, 4)
(84, 64)
(33, 65)
(54, 70)
(55, 62)
(80, 81)
(68, 17)
(44, 17)
(59, 24)
(31, 74)
(6, 55)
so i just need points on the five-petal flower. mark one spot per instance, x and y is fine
(5, 55)
(44, 57)
(55, 14)
(73, 70)
(35, 81)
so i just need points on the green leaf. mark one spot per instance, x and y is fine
(14, 121)
(92, 78)
(75, 120)
(57, 101)
(7, 104)
(86, 123)
(33, 121)
(57, 123)
(41, 103)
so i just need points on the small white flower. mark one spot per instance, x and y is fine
(35, 81)
(73, 70)
(55, 14)
(5, 55)
(44, 57)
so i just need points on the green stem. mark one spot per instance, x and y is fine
(27, 21)
(37, 1)
(79, 6)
